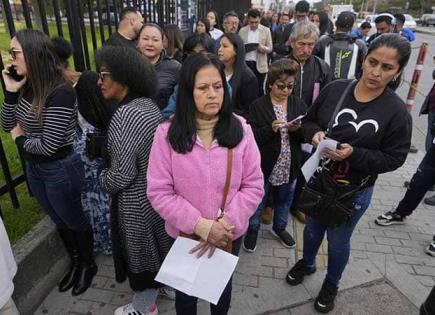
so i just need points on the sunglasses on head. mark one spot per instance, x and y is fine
(13, 53)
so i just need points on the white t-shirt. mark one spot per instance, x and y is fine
(216, 33)
(8, 267)
(253, 37)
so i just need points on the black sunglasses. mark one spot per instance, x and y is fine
(282, 86)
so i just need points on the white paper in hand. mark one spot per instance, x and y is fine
(312, 163)
(202, 277)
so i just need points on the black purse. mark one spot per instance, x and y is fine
(326, 200)
(95, 143)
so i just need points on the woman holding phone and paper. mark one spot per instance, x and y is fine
(279, 140)
(373, 130)
(203, 149)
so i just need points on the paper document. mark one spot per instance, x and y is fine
(312, 163)
(296, 119)
(202, 277)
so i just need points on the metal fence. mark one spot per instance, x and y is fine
(87, 24)
(97, 18)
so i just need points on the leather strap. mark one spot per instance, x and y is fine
(338, 107)
(227, 178)
(229, 247)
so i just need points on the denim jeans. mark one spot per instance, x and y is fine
(57, 185)
(282, 197)
(338, 238)
(420, 183)
(143, 301)
(186, 304)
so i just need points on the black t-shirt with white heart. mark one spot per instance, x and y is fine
(379, 130)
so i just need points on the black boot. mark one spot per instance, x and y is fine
(428, 307)
(87, 268)
(69, 241)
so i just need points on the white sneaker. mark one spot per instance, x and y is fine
(128, 309)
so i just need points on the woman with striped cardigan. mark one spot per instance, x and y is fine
(139, 240)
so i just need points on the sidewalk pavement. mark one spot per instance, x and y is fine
(388, 272)
(425, 30)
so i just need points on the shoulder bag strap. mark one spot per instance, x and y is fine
(338, 107)
(229, 247)
(227, 182)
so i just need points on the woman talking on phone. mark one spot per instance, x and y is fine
(280, 146)
(40, 112)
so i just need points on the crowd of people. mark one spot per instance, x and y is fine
(196, 137)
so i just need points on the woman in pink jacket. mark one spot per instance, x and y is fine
(188, 165)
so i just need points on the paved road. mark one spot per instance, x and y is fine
(425, 85)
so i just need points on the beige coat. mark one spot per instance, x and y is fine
(265, 39)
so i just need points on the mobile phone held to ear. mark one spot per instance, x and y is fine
(13, 73)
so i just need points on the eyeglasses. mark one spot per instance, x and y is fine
(282, 87)
(13, 53)
(103, 75)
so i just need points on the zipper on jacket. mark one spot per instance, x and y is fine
(302, 81)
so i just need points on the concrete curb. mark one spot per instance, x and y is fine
(41, 260)
(424, 31)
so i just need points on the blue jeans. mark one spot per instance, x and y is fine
(338, 238)
(282, 198)
(57, 185)
(186, 304)
(420, 183)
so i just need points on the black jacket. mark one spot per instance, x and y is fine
(284, 49)
(315, 70)
(168, 72)
(279, 41)
(428, 106)
(117, 39)
(246, 93)
(379, 131)
(261, 115)
(339, 44)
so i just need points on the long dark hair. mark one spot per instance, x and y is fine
(197, 39)
(43, 72)
(216, 18)
(175, 39)
(228, 130)
(398, 43)
(206, 23)
(324, 22)
(239, 62)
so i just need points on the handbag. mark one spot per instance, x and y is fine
(95, 143)
(329, 201)
(221, 211)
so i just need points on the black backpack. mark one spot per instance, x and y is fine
(342, 58)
